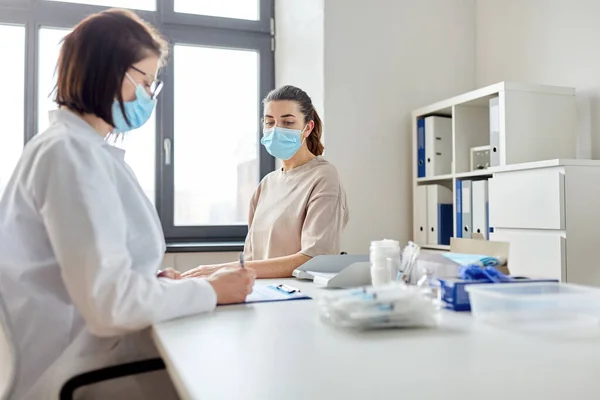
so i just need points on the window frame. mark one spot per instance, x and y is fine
(195, 30)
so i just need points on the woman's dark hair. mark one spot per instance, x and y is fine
(95, 57)
(292, 93)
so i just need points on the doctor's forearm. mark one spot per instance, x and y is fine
(280, 267)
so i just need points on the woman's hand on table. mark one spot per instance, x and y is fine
(202, 271)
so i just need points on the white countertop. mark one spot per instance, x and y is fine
(284, 351)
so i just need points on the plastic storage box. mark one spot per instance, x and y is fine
(537, 306)
(454, 296)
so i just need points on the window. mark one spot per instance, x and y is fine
(199, 158)
(140, 154)
(49, 49)
(223, 136)
(13, 117)
(240, 9)
(149, 5)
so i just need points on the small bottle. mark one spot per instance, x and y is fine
(385, 260)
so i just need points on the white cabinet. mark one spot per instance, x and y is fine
(549, 213)
(530, 199)
(535, 253)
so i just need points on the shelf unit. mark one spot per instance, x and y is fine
(536, 123)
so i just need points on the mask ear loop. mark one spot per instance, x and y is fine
(135, 84)
(303, 137)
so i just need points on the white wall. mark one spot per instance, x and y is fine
(299, 47)
(545, 41)
(383, 59)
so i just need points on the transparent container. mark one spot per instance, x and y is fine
(539, 307)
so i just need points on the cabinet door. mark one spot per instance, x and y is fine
(540, 254)
(530, 199)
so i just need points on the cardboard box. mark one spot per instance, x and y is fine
(484, 247)
(452, 290)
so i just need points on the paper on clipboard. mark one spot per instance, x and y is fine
(268, 293)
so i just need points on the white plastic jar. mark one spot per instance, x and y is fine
(385, 261)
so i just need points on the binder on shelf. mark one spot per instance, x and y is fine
(420, 222)
(458, 202)
(494, 132)
(438, 146)
(439, 215)
(480, 206)
(466, 199)
(421, 148)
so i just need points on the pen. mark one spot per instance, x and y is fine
(242, 260)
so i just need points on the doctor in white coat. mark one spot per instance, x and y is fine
(80, 244)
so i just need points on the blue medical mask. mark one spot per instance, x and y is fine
(138, 111)
(282, 143)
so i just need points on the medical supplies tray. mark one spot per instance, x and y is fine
(544, 306)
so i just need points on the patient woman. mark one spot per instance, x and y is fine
(298, 211)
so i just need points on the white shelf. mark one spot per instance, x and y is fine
(515, 167)
(475, 174)
(462, 175)
(436, 179)
(481, 96)
(435, 247)
(537, 128)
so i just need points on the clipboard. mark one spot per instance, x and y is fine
(270, 293)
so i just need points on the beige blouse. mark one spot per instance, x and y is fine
(301, 210)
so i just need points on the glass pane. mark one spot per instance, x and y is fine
(49, 46)
(140, 151)
(149, 5)
(12, 106)
(216, 134)
(139, 144)
(239, 9)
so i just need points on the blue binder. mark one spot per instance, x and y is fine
(459, 221)
(444, 223)
(421, 148)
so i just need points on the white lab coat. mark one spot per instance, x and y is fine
(80, 246)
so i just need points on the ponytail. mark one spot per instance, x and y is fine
(313, 141)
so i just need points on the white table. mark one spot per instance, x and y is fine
(284, 351)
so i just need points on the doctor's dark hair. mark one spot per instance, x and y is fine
(292, 93)
(95, 57)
